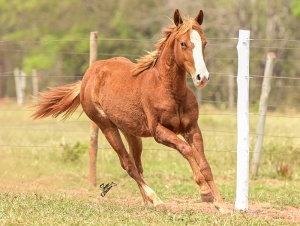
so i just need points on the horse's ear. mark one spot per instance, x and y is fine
(199, 18)
(177, 18)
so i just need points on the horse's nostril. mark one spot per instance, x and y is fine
(198, 77)
(208, 78)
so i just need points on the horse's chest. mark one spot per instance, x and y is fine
(171, 120)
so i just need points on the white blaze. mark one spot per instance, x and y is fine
(200, 66)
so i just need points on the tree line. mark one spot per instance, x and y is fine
(53, 38)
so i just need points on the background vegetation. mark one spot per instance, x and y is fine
(53, 37)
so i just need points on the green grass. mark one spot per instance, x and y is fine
(42, 182)
(53, 209)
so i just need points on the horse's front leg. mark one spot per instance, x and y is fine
(194, 138)
(168, 138)
(196, 160)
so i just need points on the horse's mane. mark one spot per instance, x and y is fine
(149, 60)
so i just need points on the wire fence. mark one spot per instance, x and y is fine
(294, 139)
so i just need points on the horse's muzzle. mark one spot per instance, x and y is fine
(200, 81)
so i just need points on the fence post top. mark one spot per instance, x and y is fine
(244, 32)
(94, 33)
(244, 35)
(271, 55)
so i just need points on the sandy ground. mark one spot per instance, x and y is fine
(256, 209)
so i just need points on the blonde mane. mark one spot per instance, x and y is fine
(149, 60)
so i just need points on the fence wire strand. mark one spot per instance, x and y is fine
(217, 74)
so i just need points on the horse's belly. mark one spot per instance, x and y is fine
(138, 130)
(131, 123)
(128, 117)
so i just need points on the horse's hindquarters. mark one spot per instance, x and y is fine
(110, 94)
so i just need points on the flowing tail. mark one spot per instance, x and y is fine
(62, 99)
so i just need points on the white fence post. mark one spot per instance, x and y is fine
(20, 83)
(35, 82)
(241, 202)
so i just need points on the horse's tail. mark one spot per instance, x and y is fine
(62, 99)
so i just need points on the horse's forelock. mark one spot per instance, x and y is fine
(148, 61)
(185, 27)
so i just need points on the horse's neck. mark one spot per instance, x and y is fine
(173, 77)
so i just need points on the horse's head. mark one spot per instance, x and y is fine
(189, 48)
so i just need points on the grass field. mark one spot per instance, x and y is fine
(43, 174)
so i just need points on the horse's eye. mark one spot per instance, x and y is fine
(183, 44)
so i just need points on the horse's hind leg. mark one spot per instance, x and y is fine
(128, 163)
(135, 151)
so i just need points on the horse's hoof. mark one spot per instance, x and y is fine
(161, 206)
(222, 208)
(207, 197)
(158, 203)
(149, 204)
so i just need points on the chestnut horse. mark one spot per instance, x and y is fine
(148, 99)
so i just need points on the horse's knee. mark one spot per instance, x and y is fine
(206, 172)
(130, 168)
(186, 151)
(199, 179)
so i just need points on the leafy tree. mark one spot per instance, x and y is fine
(295, 5)
(53, 36)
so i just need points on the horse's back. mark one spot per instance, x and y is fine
(109, 67)
(103, 73)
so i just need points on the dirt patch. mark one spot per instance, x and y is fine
(256, 209)
(269, 211)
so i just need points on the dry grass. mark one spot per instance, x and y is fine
(41, 186)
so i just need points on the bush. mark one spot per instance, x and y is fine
(73, 153)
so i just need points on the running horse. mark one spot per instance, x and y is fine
(149, 98)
